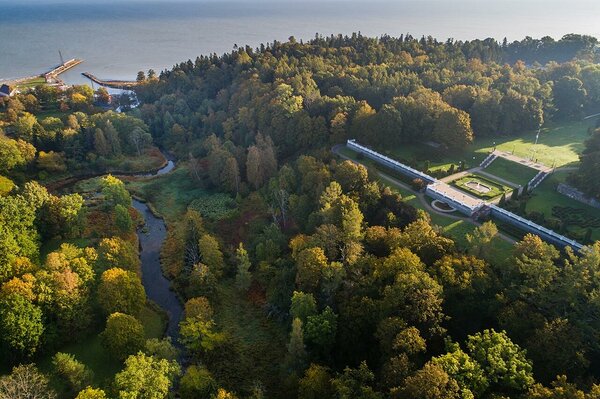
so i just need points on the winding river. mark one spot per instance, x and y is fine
(151, 238)
(157, 286)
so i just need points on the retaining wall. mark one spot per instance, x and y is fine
(389, 162)
(534, 228)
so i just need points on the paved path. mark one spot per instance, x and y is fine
(420, 196)
(457, 176)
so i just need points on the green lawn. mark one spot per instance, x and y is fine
(511, 171)
(467, 184)
(31, 83)
(558, 145)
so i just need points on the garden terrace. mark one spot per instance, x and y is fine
(480, 187)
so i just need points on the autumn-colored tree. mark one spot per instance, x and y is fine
(210, 253)
(243, 278)
(116, 252)
(310, 264)
(198, 308)
(121, 291)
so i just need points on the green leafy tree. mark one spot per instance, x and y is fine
(18, 233)
(123, 335)
(199, 336)
(21, 326)
(123, 219)
(74, 374)
(197, 383)
(161, 349)
(211, 254)
(145, 377)
(91, 393)
(303, 306)
(482, 237)
(569, 96)
(116, 252)
(464, 370)
(321, 330)
(114, 192)
(11, 155)
(296, 355)
(355, 384)
(503, 362)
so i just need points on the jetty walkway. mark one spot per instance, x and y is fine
(114, 84)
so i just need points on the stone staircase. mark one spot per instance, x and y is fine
(537, 180)
(488, 160)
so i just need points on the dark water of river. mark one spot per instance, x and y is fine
(156, 284)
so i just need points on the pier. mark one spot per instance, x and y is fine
(114, 84)
(52, 75)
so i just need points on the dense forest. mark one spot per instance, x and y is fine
(337, 286)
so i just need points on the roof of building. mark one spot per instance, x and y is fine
(6, 89)
(456, 195)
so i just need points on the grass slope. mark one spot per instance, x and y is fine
(511, 171)
(559, 144)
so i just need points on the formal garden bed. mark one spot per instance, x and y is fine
(480, 187)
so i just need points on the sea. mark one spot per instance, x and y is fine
(118, 38)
